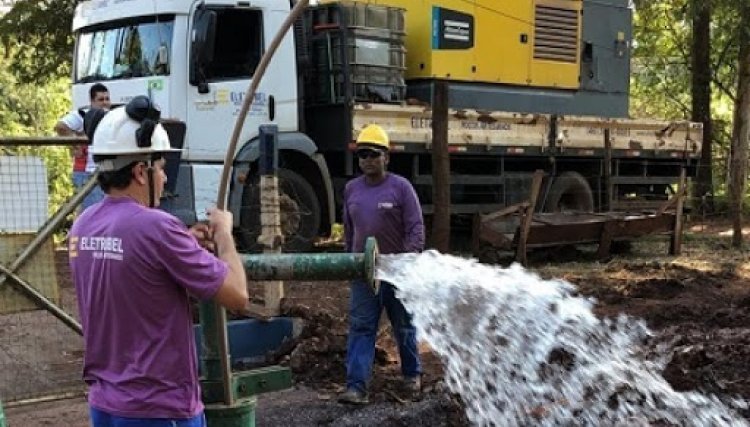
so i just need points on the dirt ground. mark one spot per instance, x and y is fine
(698, 302)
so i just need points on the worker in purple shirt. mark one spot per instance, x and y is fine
(382, 205)
(135, 268)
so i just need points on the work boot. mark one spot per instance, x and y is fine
(412, 387)
(353, 396)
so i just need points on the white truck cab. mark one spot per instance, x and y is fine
(148, 53)
(196, 60)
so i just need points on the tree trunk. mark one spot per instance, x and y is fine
(701, 97)
(738, 170)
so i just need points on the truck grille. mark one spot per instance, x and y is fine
(555, 34)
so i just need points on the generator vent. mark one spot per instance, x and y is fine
(555, 33)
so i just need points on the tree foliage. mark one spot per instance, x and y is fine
(44, 26)
(32, 109)
(660, 82)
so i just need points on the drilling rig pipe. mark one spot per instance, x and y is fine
(311, 267)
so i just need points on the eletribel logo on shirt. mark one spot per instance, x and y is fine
(100, 247)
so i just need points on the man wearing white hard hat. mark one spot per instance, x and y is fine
(135, 268)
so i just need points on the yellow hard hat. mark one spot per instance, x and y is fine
(374, 136)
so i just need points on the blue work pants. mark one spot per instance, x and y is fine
(95, 196)
(364, 316)
(103, 419)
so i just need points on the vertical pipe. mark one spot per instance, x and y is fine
(271, 235)
(210, 357)
(268, 161)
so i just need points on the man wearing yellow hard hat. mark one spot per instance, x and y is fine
(383, 205)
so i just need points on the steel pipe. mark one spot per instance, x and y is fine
(347, 266)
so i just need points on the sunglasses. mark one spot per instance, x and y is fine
(368, 154)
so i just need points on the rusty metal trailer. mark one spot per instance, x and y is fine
(592, 163)
(519, 228)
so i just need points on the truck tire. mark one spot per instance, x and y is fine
(570, 192)
(300, 213)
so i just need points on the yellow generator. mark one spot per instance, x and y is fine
(532, 43)
(546, 56)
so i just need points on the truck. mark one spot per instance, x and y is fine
(531, 85)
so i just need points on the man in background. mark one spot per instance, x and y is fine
(72, 125)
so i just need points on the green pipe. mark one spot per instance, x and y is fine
(309, 267)
(241, 414)
(211, 357)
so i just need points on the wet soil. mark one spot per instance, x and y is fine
(697, 305)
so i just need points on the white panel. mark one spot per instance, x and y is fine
(23, 193)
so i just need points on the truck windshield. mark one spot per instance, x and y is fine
(128, 49)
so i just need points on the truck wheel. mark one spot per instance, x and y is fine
(570, 192)
(300, 213)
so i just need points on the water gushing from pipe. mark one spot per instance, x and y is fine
(521, 350)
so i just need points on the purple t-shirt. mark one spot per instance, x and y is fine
(133, 269)
(388, 211)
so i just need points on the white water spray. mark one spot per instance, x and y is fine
(520, 350)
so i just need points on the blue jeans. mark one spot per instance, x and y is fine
(364, 315)
(103, 419)
(95, 196)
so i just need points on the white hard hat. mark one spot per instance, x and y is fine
(116, 137)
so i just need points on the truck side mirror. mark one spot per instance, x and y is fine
(202, 47)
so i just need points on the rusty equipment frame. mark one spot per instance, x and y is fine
(536, 230)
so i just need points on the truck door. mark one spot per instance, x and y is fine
(220, 73)
(218, 87)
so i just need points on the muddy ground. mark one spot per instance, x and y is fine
(698, 302)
